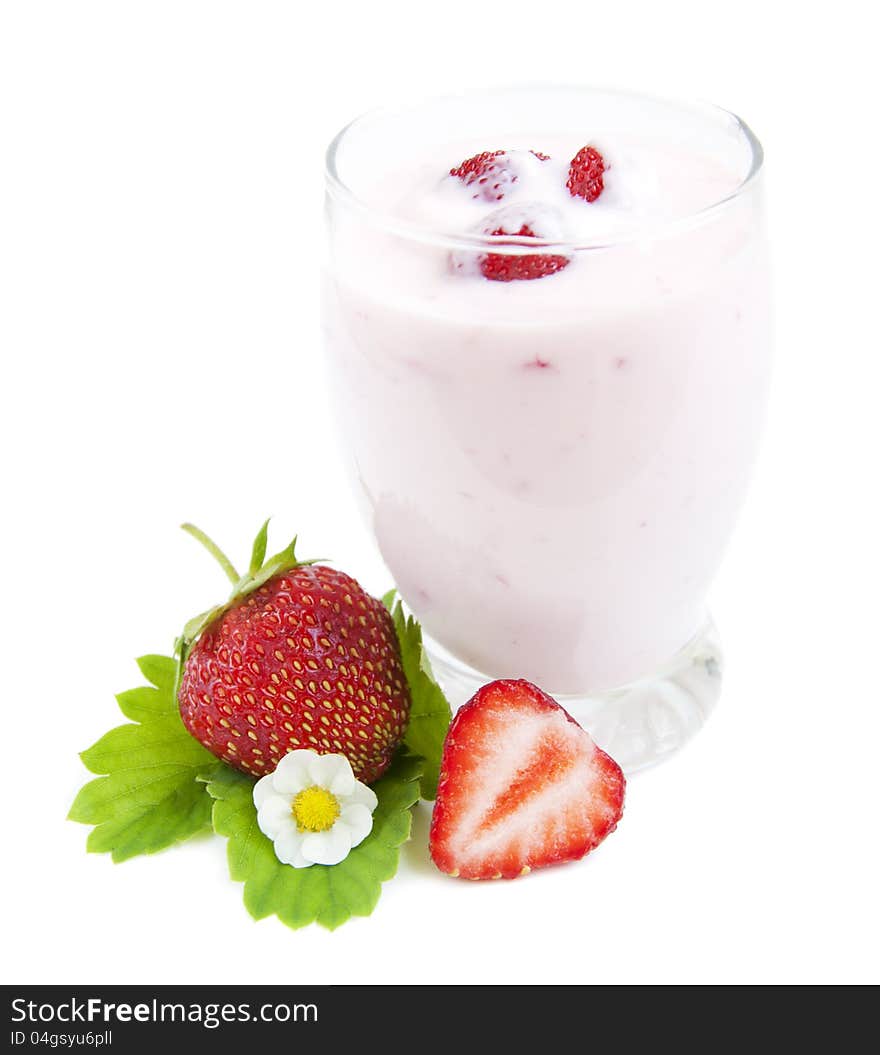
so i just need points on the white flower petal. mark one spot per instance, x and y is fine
(288, 824)
(343, 783)
(362, 795)
(263, 788)
(329, 847)
(273, 813)
(274, 795)
(358, 820)
(288, 848)
(323, 768)
(292, 772)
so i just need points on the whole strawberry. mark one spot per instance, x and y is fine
(299, 656)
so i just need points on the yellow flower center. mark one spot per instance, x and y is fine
(314, 809)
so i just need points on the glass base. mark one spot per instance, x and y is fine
(639, 724)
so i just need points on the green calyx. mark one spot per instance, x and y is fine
(259, 571)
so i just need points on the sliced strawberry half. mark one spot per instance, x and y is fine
(586, 174)
(522, 786)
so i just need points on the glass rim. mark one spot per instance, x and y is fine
(339, 190)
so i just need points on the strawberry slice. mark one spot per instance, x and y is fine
(522, 786)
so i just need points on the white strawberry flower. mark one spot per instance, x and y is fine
(313, 809)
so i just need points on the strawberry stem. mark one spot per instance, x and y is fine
(215, 551)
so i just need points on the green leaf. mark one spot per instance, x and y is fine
(283, 561)
(258, 553)
(158, 670)
(141, 703)
(322, 894)
(162, 738)
(430, 714)
(148, 795)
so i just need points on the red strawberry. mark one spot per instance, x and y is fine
(299, 657)
(521, 221)
(586, 174)
(522, 785)
(490, 174)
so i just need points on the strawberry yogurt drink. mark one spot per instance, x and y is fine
(547, 318)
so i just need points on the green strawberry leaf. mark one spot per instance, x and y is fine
(258, 553)
(159, 671)
(281, 562)
(142, 703)
(320, 894)
(147, 796)
(430, 714)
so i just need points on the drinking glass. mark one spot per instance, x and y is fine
(552, 469)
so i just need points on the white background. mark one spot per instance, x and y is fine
(160, 241)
